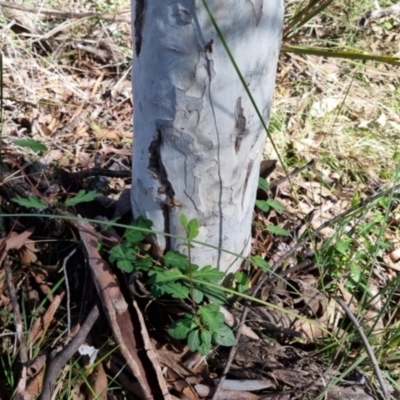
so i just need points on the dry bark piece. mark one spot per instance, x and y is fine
(132, 337)
(99, 383)
(61, 359)
(42, 322)
(207, 391)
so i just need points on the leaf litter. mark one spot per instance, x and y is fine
(68, 104)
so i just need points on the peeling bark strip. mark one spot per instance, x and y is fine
(139, 21)
(197, 139)
(128, 328)
(240, 124)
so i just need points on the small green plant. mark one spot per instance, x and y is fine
(39, 204)
(32, 144)
(202, 329)
(175, 275)
(267, 205)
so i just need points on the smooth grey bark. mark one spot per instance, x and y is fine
(198, 141)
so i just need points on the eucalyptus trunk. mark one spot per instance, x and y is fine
(198, 141)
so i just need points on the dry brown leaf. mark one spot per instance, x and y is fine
(98, 383)
(36, 365)
(42, 322)
(41, 279)
(311, 296)
(15, 241)
(27, 253)
(35, 386)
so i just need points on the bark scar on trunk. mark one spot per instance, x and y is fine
(139, 21)
(257, 9)
(246, 181)
(156, 165)
(165, 192)
(240, 124)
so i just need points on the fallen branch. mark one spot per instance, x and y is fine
(61, 359)
(367, 346)
(129, 330)
(87, 173)
(232, 353)
(377, 14)
(23, 354)
(67, 14)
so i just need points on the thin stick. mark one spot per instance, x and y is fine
(364, 339)
(66, 14)
(58, 363)
(64, 269)
(98, 172)
(232, 354)
(23, 354)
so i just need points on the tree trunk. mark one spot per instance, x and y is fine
(197, 139)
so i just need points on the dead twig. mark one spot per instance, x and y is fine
(87, 173)
(232, 354)
(277, 182)
(61, 359)
(64, 270)
(23, 354)
(368, 348)
(377, 14)
(67, 14)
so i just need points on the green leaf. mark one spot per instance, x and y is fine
(125, 265)
(263, 184)
(224, 336)
(208, 274)
(124, 256)
(211, 316)
(81, 197)
(198, 296)
(263, 205)
(205, 338)
(135, 236)
(277, 230)
(342, 246)
(32, 144)
(176, 259)
(181, 328)
(193, 340)
(143, 264)
(176, 290)
(158, 276)
(276, 205)
(261, 263)
(193, 228)
(183, 220)
(204, 349)
(143, 223)
(31, 202)
(355, 199)
(242, 280)
(215, 295)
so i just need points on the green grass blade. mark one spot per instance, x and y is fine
(347, 55)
